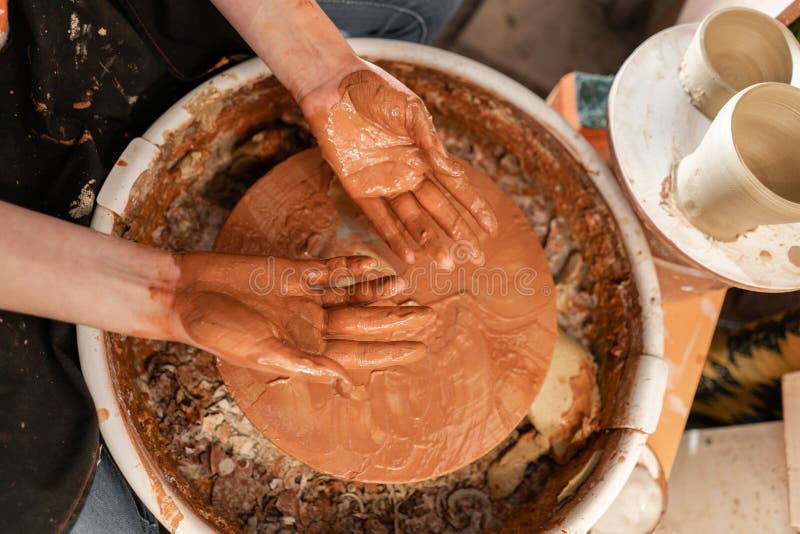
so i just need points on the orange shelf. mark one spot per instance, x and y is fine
(689, 323)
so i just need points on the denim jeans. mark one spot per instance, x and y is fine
(111, 505)
(407, 20)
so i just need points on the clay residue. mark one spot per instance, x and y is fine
(567, 408)
(102, 415)
(794, 255)
(290, 318)
(173, 396)
(666, 187)
(382, 144)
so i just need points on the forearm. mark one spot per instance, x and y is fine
(55, 269)
(298, 42)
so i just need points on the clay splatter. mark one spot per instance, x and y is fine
(75, 31)
(85, 202)
(74, 27)
(794, 255)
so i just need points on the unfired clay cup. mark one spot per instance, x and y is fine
(735, 48)
(746, 171)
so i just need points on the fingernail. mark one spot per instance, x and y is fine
(345, 281)
(409, 352)
(429, 314)
(343, 386)
(489, 222)
(445, 261)
(368, 263)
(313, 277)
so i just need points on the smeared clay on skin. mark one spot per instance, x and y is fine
(489, 349)
(298, 326)
(508, 471)
(369, 137)
(380, 140)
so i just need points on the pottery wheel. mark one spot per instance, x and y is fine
(652, 125)
(489, 349)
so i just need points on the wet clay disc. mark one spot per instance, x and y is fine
(489, 348)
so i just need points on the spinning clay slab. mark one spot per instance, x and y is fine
(489, 348)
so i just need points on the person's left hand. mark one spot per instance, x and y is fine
(381, 142)
(302, 318)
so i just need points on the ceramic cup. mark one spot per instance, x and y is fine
(732, 49)
(746, 171)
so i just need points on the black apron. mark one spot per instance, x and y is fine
(78, 80)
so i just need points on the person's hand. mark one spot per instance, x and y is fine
(286, 317)
(380, 140)
(294, 317)
(373, 130)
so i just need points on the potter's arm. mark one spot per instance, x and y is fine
(55, 269)
(272, 314)
(373, 131)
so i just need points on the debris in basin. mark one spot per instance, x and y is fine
(174, 396)
(566, 410)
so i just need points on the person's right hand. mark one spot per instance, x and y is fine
(295, 317)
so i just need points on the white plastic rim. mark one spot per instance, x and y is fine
(643, 399)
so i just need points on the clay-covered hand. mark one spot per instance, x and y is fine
(295, 317)
(380, 140)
